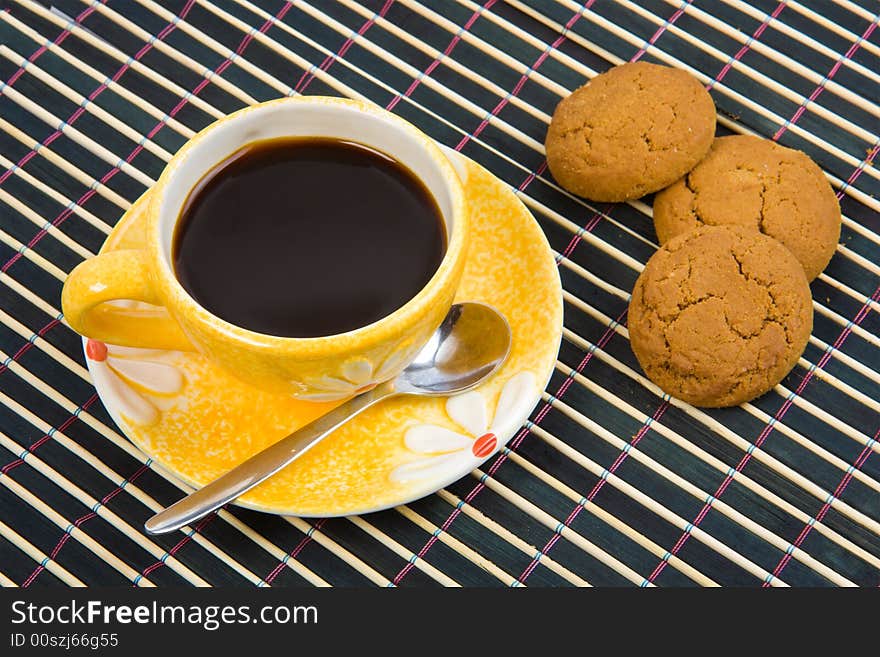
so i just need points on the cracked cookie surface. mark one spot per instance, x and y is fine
(754, 182)
(630, 131)
(720, 315)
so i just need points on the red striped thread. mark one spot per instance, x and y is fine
(61, 37)
(183, 541)
(97, 92)
(821, 87)
(64, 214)
(588, 228)
(82, 519)
(30, 343)
(525, 76)
(268, 579)
(448, 51)
(868, 161)
(5, 470)
(661, 30)
(748, 44)
(621, 457)
(308, 76)
(841, 487)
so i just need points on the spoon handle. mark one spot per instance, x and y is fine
(262, 465)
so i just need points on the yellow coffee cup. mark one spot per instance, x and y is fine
(321, 368)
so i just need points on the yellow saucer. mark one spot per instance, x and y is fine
(197, 421)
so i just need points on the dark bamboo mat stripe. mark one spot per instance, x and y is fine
(611, 482)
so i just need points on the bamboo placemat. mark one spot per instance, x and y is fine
(612, 482)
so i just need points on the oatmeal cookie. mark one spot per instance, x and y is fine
(630, 131)
(754, 182)
(720, 315)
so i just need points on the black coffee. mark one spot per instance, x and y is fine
(304, 237)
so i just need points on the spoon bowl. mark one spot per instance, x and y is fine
(468, 347)
(470, 344)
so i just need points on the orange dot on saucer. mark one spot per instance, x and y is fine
(96, 350)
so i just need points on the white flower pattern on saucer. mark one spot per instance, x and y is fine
(357, 376)
(122, 370)
(447, 452)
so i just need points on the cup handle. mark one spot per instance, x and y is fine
(116, 276)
